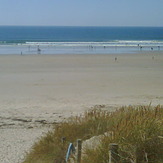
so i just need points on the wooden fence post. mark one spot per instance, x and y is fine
(113, 153)
(78, 154)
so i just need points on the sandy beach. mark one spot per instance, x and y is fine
(39, 90)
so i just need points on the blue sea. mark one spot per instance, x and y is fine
(79, 40)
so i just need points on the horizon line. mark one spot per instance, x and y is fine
(73, 26)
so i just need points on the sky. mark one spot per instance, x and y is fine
(82, 12)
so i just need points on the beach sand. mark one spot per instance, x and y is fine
(39, 90)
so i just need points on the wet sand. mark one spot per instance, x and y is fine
(39, 90)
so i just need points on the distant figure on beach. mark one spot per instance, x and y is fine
(115, 59)
(38, 50)
(91, 47)
(151, 48)
(158, 47)
(141, 48)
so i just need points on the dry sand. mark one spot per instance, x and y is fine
(38, 90)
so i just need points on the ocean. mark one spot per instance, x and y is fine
(79, 40)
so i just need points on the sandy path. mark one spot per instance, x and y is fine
(44, 89)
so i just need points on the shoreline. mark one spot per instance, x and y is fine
(110, 47)
(39, 90)
(118, 52)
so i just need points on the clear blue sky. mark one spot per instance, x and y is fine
(82, 12)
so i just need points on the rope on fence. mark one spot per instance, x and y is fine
(113, 154)
(118, 155)
(71, 149)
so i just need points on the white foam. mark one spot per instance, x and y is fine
(115, 43)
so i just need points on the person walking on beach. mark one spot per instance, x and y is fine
(38, 50)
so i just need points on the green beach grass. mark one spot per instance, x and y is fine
(138, 130)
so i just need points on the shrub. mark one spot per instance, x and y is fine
(137, 131)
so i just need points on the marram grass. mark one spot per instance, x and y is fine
(136, 129)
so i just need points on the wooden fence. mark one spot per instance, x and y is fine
(113, 152)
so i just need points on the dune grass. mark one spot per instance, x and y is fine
(137, 130)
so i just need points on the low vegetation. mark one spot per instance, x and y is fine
(137, 130)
